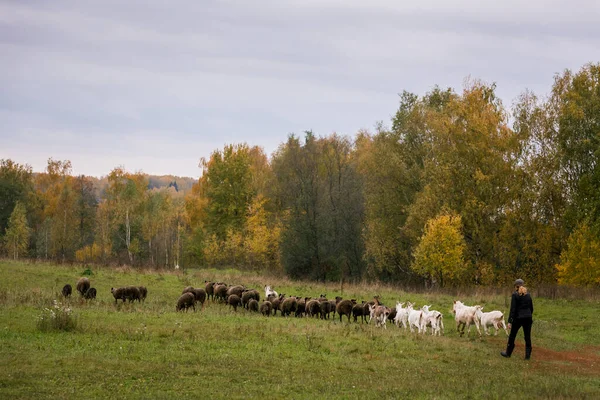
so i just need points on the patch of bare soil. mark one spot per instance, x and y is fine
(585, 361)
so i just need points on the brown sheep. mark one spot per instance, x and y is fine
(275, 301)
(143, 293)
(186, 301)
(187, 289)
(344, 307)
(210, 290)
(265, 308)
(83, 284)
(301, 306)
(332, 307)
(288, 306)
(325, 309)
(221, 291)
(200, 295)
(246, 297)
(253, 305)
(313, 308)
(359, 311)
(67, 290)
(130, 293)
(237, 290)
(90, 294)
(234, 301)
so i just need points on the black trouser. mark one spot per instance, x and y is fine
(516, 325)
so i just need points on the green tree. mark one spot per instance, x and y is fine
(17, 233)
(440, 255)
(16, 184)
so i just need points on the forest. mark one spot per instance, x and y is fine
(459, 189)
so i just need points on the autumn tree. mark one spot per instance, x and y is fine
(580, 262)
(17, 234)
(16, 185)
(440, 255)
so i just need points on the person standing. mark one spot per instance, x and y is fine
(521, 315)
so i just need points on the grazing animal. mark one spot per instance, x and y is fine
(288, 306)
(265, 308)
(130, 293)
(465, 316)
(491, 318)
(275, 301)
(325, 309)
(253, 305)
(221, 291)
(402, 315)
(380, 314)
(200, 295)
(67, 290)
(143, 293)
(210, 290)
(359, 311)
(186, 301)
(301, 306)
(90, 294)
(414, 318)
(187, 289)
(344, 307)
(234, 301)
(237, 290)
(270, 292)
(433, 319)
(248, 295)
(83, 284)
(313, 308)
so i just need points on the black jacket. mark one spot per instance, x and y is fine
(520, 307)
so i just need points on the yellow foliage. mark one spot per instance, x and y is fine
(580, 262)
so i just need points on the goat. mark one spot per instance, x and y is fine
(465, 316)
(493, 318)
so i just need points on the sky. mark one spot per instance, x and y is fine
(154, 85)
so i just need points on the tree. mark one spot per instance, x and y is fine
(15, 185)
(17, 233)
(580, 262)
(440, 255)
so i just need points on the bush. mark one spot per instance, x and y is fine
(59, 317)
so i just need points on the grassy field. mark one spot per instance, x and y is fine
(148, 350)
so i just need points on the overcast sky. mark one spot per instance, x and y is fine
(156, 85)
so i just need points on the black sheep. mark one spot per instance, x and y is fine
(67, 290)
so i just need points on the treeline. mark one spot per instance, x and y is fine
(459, 190)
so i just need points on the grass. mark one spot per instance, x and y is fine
(149, 351)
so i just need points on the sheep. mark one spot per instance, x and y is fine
(220, 291)
(313, 308)
(493, 318)
(130, 293)
(143, 293)
(210, 290)
(187, 289)
(253, 305)
(199, 295)
(234, 301)
(358, 311)
(301, 306)
(248, 295)
(237, 290)
(83, 284)
(344, 307)
(265, 308)
(465, 316)
(90, 294)
(332, 307)
(67, 290)
(325, 309)
(288, 306)
(275, 301)
(186, 301)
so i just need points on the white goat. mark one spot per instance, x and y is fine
(465, 316)
(414, 318)
(270, 292)
(433, 319)
(401, 314)
(491, 318)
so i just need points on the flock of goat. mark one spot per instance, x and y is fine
(404, 314)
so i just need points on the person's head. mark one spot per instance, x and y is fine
(519, 283)
(522, 290)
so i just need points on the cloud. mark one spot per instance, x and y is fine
(81, 78)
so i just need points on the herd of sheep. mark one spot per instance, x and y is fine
(403, 314)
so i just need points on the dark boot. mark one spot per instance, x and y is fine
(508, 352)
(528, 353)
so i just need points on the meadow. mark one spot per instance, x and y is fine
(147, 350)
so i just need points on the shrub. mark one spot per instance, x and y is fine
(59, 317)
